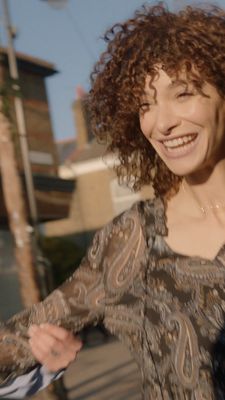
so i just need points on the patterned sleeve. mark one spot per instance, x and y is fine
(28, 384)
(81, 300)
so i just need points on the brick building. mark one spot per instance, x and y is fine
(52, 193)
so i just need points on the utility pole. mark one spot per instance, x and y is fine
(24, 235)
(20, 118)
(12, 188)
(22, 132)
(19, 227)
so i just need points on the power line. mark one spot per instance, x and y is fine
(79, 33)
(56, 3)
(63, 4)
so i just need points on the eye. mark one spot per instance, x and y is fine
(185, 94)
(144, 107)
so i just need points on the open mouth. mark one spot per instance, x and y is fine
(183, 142)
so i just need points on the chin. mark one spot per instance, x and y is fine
(184, 167)
(186, 164)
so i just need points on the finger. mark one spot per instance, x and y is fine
(52, 361)
(42, 338)
(56, 331)
(39, 335)
(37, 351)
(32, 330)
(62, 335)
(48, 345)
(42, 348)
(45, 353)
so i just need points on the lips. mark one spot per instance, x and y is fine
(179, 146)
(179, 141)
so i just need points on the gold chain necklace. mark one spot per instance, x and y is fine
(209, 207)
(216, 206)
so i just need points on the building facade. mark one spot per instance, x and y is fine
(98, 196)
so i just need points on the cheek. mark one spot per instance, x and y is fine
(219, 118)
(206, 112)
(197, 111)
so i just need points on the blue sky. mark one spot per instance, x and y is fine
(69, 37)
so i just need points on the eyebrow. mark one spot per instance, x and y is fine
(178, 82)
(174, 83)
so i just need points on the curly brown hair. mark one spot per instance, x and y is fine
(190, 37)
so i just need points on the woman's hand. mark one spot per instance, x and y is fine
(53, 346)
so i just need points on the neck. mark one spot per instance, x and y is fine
(204, 192)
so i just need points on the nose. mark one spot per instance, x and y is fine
(167, 119)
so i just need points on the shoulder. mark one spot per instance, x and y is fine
(155, 216)
(149, 215)
(122, 247)
(129, 229)
(120, 250)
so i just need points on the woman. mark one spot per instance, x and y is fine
(155, 275)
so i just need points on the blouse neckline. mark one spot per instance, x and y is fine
(161, 229)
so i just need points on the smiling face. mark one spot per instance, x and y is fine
(185, 127)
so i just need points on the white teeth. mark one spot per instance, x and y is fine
(172, 143)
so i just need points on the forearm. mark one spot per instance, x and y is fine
(82, 299)
(72, 306)
(15, 354)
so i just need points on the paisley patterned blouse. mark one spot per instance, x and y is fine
(169, 309)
